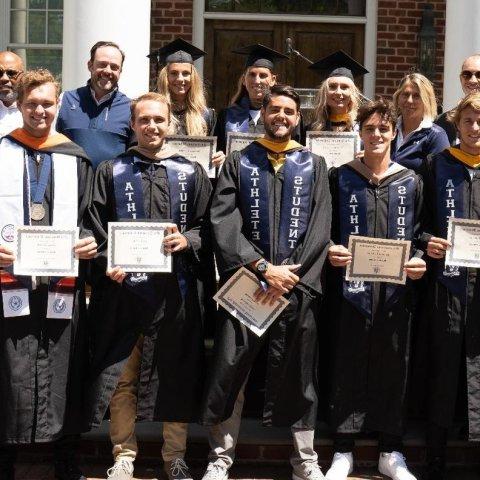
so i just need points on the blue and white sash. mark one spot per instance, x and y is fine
(238, 116)
(15, 210)
(353, 221)
(296, 199)
(127, 181)
(450, 180)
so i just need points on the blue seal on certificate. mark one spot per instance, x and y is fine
(15, 303)
(59, 305)
(8, 232)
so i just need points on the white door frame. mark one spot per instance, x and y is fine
(370, 22)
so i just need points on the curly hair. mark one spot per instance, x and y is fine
(34, 78)
(381, 106)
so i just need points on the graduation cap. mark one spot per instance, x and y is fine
(259, 55)
(178, 51)
(339, 64)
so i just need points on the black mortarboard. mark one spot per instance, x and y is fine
(178, 51)
(339, 64)
(260, 56)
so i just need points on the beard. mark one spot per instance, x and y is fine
(280, 138)
(9, 97)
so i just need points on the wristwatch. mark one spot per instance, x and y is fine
(261, 266)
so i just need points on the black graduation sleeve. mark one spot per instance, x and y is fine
(85, 185)
(232, 247)
(429, 195)
(417, 244)
(219, 131)
(313, 249)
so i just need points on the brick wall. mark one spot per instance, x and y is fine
(170, 19)
(397, 42)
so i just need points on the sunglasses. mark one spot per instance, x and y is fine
(10, 73)
(467, 74)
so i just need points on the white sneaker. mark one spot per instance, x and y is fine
(311, 471)
(393, 465)
(215, 472)
(121, 470)
(342, 466)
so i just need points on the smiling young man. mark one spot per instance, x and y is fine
(148, 350)
(270, 213)
(452, 189)
(372, 197)
(45, 180)
(97, 116)
(11, 67)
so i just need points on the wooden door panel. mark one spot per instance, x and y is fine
(223, 68)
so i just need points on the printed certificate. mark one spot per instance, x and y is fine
(237, 297)
(464, 235)
(377, 259)
(45, 251)
(239, 140)
(336, 148)
(138, 247)
(196, 149)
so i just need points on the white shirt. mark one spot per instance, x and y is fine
(255, 115)
(10, 118)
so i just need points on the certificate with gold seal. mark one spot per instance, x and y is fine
(377, 259)
(464, 235)
(138, 247)
(45, 251)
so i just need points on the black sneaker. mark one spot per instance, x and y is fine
(64, 453)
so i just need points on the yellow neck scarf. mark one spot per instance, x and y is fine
(472, 161)
(277, 151)
(342, 117)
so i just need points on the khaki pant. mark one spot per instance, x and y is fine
(223, 440)
(123, 412)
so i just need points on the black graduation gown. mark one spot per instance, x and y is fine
(172, 366)
(291, 342)
(209, 117)
(43, 360)
(259, 127)
(454, 329)
(370, 356)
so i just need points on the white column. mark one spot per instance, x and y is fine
(198, 31)
(462, 39)
(125, 22)
(370, 48)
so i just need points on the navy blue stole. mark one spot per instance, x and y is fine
(238, 116)
(450, 179)
(295, 203)
(127, 181)
(353, 221)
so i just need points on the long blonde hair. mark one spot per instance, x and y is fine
(321, 112)
(195, 101)
(426, 91)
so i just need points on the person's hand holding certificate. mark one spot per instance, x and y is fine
(138, 247)
(238, 297)
(464, 240)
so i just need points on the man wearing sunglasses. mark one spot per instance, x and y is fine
(11, 67)
(470, 81)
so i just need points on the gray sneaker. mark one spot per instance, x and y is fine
(121, 470)
(177, 469)
(311, 471)
(215, 472)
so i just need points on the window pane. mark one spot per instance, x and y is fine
(246, 5)
(42, 58)
(55, 20)
(55, 4)
(219, 5)
(36, 27)
(18, 26)
(37, 4)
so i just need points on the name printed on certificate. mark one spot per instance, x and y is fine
(464, 235)
(45, 251)
(337, 148)
(195, 149)
(237, 141)
(237, 297)
(377, 259)
(138, 247)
